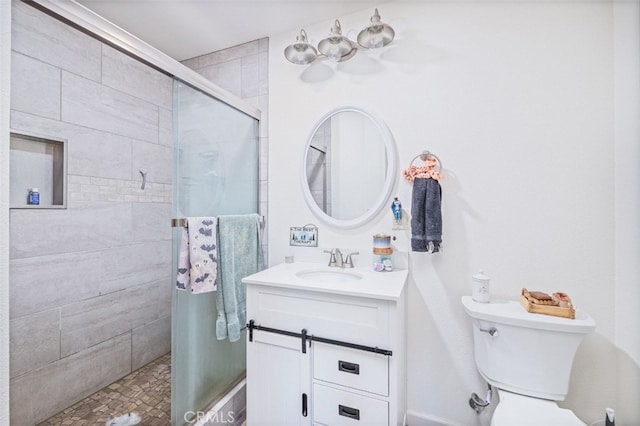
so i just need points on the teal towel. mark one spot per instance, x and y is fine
(239, 255)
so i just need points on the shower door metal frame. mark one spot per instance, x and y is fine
(96, 26)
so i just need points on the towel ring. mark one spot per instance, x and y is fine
(424, 156)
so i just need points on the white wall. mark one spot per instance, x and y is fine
(5, 89)
(627, 191)
(627, 155)
(517, 99)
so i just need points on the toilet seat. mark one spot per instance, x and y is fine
(514, 409)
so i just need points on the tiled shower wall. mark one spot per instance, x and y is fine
(243, 70)
(90, 288)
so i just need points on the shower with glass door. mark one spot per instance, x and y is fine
(215, 172)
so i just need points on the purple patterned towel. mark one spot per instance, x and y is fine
(198, 261)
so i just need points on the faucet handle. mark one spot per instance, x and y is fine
(348, 263)
(332, 259)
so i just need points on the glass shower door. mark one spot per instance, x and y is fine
(216, 162)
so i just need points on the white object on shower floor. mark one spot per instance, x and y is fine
(124, 420)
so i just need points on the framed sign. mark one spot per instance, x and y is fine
(305, 236)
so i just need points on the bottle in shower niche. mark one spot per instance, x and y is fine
(34, 197)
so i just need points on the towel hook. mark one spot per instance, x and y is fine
(143, 172)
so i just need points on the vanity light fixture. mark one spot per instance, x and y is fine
(376, 34)
(337, 46)
(301, 52)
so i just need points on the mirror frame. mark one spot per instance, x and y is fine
(390, 178)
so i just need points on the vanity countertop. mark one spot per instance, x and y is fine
(358, 281)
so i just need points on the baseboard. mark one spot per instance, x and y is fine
(419, 419)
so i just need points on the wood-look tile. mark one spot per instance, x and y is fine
(90, 104)
(35, 341)
(131, 76)
(35, 86)
(146, 391)
(39, 393)
(36, 34)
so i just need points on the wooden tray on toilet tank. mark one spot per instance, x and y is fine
(556, 311)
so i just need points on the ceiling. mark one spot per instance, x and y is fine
(185, 29)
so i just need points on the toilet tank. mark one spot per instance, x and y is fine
(526, 353)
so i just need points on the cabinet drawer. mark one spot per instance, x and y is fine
(337, 317)
(339, 408)
(353, 368)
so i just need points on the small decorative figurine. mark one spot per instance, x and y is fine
(396, 208)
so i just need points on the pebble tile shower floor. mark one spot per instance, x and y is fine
(146, 391)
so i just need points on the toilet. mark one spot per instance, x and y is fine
(527, 358)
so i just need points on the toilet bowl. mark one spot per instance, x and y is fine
(528, 358)
(514, 409)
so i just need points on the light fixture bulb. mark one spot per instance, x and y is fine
(301, 52)
(336, 46)
(376, 34)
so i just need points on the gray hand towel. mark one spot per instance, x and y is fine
(426, 215)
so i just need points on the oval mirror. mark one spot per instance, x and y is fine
(349, 167)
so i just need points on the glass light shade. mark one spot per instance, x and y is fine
(301, 52)
(336, 46)
(376, 34)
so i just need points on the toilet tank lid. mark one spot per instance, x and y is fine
(512, 313)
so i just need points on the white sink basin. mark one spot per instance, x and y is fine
(328, 276)
(359, 281)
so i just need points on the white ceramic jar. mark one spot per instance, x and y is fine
(480, 287)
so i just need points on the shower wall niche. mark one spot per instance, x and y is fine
(38, 163)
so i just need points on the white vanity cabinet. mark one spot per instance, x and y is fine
(322, 353)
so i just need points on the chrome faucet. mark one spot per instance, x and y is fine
(336, 260)
(348, 263)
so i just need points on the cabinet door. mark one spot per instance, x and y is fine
(278, 381)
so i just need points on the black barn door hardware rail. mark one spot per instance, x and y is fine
(304, 336)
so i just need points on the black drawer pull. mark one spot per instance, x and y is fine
(304, 405)
(352, 413)
(348, 367)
